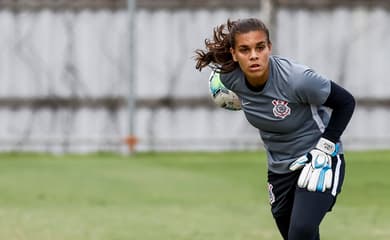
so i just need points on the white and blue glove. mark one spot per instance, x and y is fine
(317, 173)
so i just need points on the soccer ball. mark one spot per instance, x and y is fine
(222, 96)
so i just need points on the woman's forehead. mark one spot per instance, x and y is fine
(250, 38)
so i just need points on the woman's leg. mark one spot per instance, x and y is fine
(308, 211)
(281, 189)
(283, 224)
(309, 208)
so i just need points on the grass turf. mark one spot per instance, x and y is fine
(172, 196)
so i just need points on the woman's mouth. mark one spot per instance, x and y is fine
(254, 67)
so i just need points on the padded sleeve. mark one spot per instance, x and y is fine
(343, 104)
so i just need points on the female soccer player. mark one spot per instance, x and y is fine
(300, 115)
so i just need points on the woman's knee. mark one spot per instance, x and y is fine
(302, 231)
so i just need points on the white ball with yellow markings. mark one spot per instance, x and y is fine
(222, 96)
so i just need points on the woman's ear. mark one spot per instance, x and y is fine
(232, 51)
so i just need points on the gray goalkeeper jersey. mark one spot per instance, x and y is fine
(288, 111)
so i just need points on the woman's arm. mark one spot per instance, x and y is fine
(343, 105)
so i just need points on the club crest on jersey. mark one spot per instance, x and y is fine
(281, 110)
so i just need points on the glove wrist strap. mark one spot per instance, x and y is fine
(327, 146)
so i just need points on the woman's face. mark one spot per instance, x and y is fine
(252, 51)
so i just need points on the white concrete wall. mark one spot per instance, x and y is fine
(351, 47)
(85, 54)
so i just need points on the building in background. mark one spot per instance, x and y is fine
(64, 71)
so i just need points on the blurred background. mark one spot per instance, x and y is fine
(82, 76)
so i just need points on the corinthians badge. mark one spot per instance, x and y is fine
(281, 110)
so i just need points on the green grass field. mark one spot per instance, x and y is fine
(173, 196)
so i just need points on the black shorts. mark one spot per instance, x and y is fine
(282, 187)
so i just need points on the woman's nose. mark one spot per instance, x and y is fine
(254, 55)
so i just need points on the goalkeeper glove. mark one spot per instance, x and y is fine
(317, 173)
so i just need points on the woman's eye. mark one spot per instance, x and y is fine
(244, 50)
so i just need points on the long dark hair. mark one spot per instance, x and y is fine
(217, 53)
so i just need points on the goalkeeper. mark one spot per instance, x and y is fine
(300, 116)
